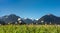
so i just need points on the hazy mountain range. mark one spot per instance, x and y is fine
(14, 19)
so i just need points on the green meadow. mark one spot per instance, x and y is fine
(29, 28)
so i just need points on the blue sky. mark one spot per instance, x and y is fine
(30, 8)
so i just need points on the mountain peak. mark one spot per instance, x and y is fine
(12, 15)
(49, 14)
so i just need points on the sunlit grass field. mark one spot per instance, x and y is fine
(29, 28)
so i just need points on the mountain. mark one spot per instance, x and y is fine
(27, 20)
(35, 21)
(49, 19)
(12, 18)
(2, 22)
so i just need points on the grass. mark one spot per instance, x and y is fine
(29, 28)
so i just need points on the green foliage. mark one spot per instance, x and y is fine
(29, 29)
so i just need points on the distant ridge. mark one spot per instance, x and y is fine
(14, 19)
